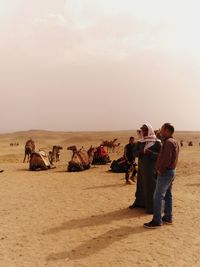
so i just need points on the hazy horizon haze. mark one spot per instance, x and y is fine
(83, 65)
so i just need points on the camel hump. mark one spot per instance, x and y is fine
(84, 156)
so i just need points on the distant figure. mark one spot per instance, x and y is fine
(14, 144)
(181, 143)
(190, 143)
(157, 133)
(130, 161)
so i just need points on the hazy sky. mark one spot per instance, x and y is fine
(99, 64)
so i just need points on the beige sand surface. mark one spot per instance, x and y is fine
(55, 218)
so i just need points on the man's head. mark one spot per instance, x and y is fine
(131, 140)
(144, 130)
(167, 130)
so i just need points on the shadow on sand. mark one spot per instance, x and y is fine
(96, 244)
(95, 220)
(197, 184)
(105, 186)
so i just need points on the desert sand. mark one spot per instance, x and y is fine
(55, 218)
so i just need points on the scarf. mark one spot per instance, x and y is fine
(150, 139)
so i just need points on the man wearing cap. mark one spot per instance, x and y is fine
(147, 151)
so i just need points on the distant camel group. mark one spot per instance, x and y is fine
(110, 144)
(39, 160)
(14, 144)
(81, 158)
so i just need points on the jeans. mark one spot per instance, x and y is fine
(162, 192)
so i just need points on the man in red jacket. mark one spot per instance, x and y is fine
(166, 166)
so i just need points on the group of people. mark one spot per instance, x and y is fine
(157, 160)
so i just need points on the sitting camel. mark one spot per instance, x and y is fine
(39, 161)
(101, 157)
(81, 159)
(54, 155)
(29, 149)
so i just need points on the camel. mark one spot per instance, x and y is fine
(81, 159)
(190, 143)
(29, 148)
(54, 155)
(181, 143)
(39, 161)
(110, 144)
(118, 165)
(101, 157)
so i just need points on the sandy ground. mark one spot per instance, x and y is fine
(55, 218)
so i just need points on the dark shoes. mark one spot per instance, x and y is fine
(152, 224)
(166, 221)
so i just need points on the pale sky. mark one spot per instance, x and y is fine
(99, 64)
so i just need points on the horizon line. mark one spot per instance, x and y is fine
(84, 131)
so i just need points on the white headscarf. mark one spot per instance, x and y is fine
(150, 139)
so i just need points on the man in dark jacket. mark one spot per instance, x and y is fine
(166, 168)
(129, 156)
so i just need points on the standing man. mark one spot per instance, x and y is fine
(166, 165)
(129, 156)
(147, 150)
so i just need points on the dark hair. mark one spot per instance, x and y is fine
(169, 127)
(131, 138)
